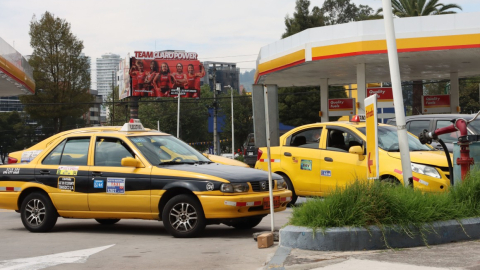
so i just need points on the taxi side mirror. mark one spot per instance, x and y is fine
(357, 150)
(131, 162)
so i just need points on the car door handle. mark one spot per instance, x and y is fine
(328, 159)
(44, 172)
(96, 173)
(287, 154)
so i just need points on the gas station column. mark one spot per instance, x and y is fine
(454, 93)
(324, 100)
(361, 87)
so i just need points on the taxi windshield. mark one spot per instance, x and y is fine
(388, 140)
(167, 150)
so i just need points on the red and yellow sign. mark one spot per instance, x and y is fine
(372, 137)
(341, 106)
(436, 104)
(383, 93)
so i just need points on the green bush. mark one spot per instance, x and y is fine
(363, 203)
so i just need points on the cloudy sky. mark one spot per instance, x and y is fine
(219, 30)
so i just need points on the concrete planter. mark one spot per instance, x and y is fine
(354, 238)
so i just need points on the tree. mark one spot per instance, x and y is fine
(61, 73)
(412, 8)
(302, 18)
(469, 95)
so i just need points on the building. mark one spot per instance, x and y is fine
(107, 67)
(227, 74)
(92, 117)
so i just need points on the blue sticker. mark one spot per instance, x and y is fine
(306, 165)
(116, 185)
(326, 173)
(98, 184)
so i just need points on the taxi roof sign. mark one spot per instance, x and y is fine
(358, 118)
(133, 125)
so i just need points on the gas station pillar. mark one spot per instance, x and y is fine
(361, 88)
(454, 93)
(324, 100)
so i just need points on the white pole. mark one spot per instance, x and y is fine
(233, 138)
(270, 186)
(397, 91)
(158, 125)
(178, 114)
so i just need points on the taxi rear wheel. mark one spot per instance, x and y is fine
(38, 213)
(183, 216)
(107, 221)
(245, 223)
(292, 189)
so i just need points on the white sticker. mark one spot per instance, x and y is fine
(67, 170)
(28, 156)
(66, 183)
(11, 171)
(116, 185)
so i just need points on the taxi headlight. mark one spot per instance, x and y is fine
(281, 184)
(234, 187)
(425, 170)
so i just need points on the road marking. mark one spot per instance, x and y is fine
(3, 210)
(34, 263)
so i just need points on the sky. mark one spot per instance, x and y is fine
(218, 30)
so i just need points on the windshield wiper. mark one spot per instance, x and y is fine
(174, 163)
(203, 162)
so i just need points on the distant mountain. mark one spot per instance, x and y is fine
(246, 79)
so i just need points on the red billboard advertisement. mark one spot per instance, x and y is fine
(383, 93)
(160, 74)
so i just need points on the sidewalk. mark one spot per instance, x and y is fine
(463, 255)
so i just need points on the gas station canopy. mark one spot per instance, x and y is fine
(16, 75)
(429, 47)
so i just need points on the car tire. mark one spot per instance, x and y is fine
(245, 223)
(183, 216)
(292, 189)
(390, 180)
(38, 213)
(107, 221)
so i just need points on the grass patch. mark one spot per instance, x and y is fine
(407, 210)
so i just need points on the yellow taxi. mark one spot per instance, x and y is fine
(317, 158)
(27, 155)
(110, 174)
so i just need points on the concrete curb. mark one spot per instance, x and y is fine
(354, 238)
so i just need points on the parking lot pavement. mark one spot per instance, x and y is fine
(131, 244)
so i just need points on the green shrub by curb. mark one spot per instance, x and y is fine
(406, 210)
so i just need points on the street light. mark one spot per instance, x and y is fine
(233, 138)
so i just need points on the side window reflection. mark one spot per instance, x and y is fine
(309, 138)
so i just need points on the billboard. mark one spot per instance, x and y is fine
(160, 74)
(341, 106)
(436, 104)
(124, 79)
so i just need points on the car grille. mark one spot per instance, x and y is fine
(445, 171)
(259, 186)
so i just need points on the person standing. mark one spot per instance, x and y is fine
(193, 80)
(149, 79)
(163, 81)
(179, 78)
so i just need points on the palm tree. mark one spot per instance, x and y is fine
(413, 8)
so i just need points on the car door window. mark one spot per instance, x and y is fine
(416, 127)
(340, 140)
(111, 151)
(69, 152)
(309, 138)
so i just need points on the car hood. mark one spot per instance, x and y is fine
(434, 158)
(233, 174)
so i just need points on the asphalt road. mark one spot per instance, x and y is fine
(137, 244)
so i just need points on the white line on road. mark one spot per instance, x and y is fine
(34, 263)
(374, 265)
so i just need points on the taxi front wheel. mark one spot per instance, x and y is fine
(183, 216)
(38, 213)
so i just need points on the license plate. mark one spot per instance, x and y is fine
(250, 153)
(266, 202)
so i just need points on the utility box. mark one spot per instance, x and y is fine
(265, 240)
(474, 153)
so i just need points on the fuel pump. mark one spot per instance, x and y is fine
(465, 161)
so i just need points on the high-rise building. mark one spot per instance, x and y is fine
(107, 67)
(226, 74)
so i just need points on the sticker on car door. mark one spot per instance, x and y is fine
(306, 165)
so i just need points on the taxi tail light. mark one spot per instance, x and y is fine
(259, 154)
(12, 160)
